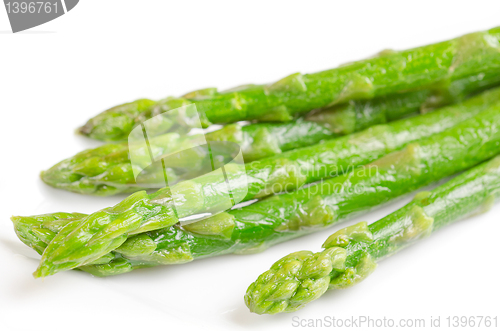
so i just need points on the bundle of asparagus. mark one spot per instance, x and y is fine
(253, 228)
(358, 145)
(350, 254)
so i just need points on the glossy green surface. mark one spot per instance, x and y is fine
(350, 254)
(446, 66)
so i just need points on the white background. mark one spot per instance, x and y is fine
(55, 76)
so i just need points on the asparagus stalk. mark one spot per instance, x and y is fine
(350, 254)
(107, 170)
(284, 217)
(450, 64)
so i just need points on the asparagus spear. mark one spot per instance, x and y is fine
(350, 254)
(107, 170)
(447, 65)
(284, 217)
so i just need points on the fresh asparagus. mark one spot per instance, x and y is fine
(473, 58)
(350, 254)
(282, 217)
(107, 170)
(103, 231)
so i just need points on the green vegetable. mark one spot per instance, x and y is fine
(350, 254)
(107, 170)
(284, 217)
(37, 231)
(445, 66)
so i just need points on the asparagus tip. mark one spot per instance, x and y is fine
(41, 272)
(84, 129)
(16, 220)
